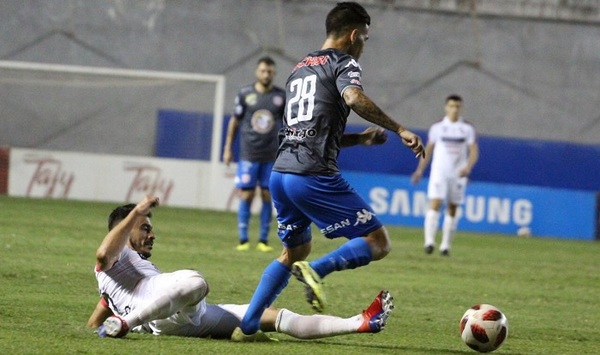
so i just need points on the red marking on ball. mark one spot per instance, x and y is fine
(479, 333)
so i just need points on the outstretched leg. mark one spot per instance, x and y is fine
(371, 320)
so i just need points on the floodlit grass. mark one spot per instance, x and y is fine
(549, 289)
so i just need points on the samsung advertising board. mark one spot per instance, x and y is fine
(488, 207)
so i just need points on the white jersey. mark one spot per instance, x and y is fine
(451, 146)
(119, 282)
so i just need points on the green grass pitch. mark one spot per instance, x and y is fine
(549, 289)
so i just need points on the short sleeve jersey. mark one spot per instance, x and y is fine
(119, 282)
(316, 113)
(260, 117)
(451, 146)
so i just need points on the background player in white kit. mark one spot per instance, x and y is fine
(452, 144)
(136, 295)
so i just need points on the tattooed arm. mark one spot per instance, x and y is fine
(367, 109)
(360, 103)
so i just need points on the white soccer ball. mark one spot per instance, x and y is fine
(483, 328)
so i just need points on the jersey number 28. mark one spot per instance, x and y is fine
(304, 97)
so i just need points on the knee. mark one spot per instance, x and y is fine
(452, 210)
(290, 256)
(265, 195)
(380, 243)
(247, 195)
(194, 288)
(435, 204)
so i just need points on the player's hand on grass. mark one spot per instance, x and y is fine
(413, 141)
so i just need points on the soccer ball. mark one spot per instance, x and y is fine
(483, 328)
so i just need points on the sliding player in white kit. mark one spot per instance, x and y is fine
(136, 296)
(452, 144)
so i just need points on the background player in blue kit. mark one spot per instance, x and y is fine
(257, 114)
(306, 183)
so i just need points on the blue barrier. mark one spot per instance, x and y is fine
(564, 202)
(489, 207)
(185, 135)
(502, 160)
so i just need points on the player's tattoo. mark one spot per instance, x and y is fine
(368, 110)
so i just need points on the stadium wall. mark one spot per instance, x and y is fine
(523, 78)
(532, 162)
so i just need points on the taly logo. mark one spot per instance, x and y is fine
(148, 180)
(49, 178)
(363, 216)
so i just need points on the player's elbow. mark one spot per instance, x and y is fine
(102, 260)
(352, 97)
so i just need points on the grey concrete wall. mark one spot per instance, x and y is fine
(519, 77)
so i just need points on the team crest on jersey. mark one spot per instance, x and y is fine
(251, 99)
(353, 62)
(262, 121)
(277, 100)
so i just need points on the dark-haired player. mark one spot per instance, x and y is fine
(136, 296)
(452, 144)
(306, 184)
(257, 116)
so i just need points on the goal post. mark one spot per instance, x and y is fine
(98, 109)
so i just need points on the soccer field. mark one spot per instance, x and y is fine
(548, 289)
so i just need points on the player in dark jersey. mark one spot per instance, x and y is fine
(257, 115)
(306, 184)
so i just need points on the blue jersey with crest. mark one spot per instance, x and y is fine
(260, 119)
(315, 113)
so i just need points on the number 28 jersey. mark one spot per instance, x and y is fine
(315, 114)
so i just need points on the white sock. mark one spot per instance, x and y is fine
(315, 326)
(432, 220)
(187, 292)
(448, 229)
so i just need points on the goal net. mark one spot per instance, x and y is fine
(111, 111)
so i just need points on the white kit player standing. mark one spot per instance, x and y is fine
(453, 151)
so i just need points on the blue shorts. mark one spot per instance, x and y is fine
(327, 201)
(250, 174)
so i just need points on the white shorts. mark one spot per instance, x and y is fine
(151, 288)
(448, 189)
